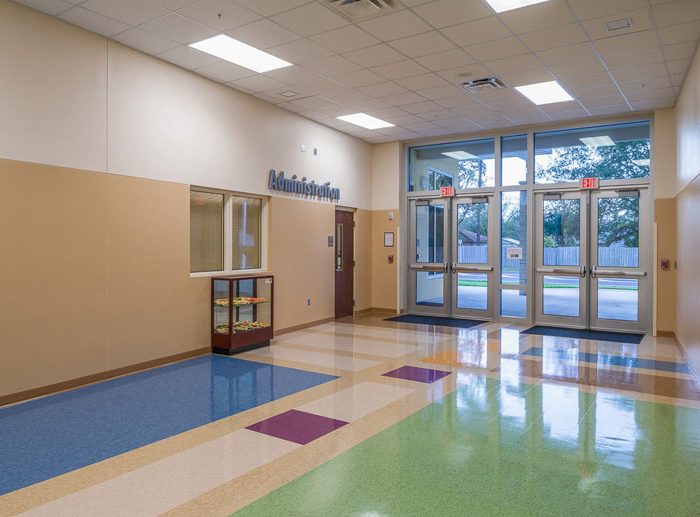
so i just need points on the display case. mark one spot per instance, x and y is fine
(241, 313)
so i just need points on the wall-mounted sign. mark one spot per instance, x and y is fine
(301, 186)
(514, 253)
(388, 239)
(589, 183)
(447, 191)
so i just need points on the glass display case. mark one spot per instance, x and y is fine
(241, 313)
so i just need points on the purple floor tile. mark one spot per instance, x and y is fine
(414, 373)
(297, 426)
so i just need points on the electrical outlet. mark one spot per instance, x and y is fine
(308, 301)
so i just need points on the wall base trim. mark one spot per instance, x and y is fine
(667, 333)
(303, 326)
(51, 389)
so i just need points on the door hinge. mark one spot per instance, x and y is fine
(353, 303)
(353, 263)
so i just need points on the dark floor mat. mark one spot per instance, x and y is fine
(599, 335)
(435, 320)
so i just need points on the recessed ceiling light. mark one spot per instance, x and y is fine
(642, 163)
(617, 25)
(460, 155)
(239, 53)
(548, 92)
(501, 6)
(597, 141)
(289, 93)
(366, 121)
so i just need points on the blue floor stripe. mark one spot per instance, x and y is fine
(616, 360)
(50, 436)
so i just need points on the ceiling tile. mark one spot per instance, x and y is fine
(311, 103)
(579, 68)
(554, 37)
(407, 119)
(645, 84)
(400, 69)
(220, 14)
(584, 81)
(521, 77)
(608, 100)
(513, 64)
(461, 74)
(423, 44)
(615, 109)
(588, 9)
(440, 92)
(293, 75)
(448, 12)
(444, 60)
(310, 19)
(257, 83)
(640, 21)
(357, 78)
(497, 49)
(93, 22)
(383, 89)
(52, 7)
(538, 16)
(345, 39)
(627, 42)
(300, 51)
(641, 57)
(376, 55)
(471, 33)
(421, 107)
(402, 99)
(678, 67)
(677, 12)
(564, 55)
(224, 71)
(145, 41)
(653, 104)
(422, 81)
(603, 90)
(263, 34)
(435, 116)
(131, 12)
(570, 115)
(187, 57)
(332, 65)
(677, 79)
(396, 25)
(178, 28)
(634, 73)
(393, 113)
(174, 5)
(271, 7)
(681, 33)
(453, 103)
(680, 51)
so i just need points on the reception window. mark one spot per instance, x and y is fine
(225, 231)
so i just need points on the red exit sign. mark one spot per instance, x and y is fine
(447, 191)
(589, 183)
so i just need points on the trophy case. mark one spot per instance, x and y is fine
(241, 313)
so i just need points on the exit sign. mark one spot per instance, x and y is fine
(447, 191)
(589, 183)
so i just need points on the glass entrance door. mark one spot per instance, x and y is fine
(451, 268)
(429, 257)
(473, 257)
(590, 252)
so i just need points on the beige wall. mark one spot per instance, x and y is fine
(384, 275)
(363, 259)
(665, 218)
(386, 170)
(664, 165)
(688, 126)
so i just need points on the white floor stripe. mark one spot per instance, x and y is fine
(356, 401)
(349, 344)
(170, 482)
(312, 358)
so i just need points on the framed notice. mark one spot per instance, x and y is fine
(388, 239)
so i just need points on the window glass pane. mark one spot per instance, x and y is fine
(561, 296)
(246, 232)
(618, 299)
(472, 234)
(513, 303)
(430, 233)
(472, 291)
(618, 232)
(429, 289)
(514, 160)
(461, 165)
(514, 237)
(617, 151)
(206, 231)
(562, 232)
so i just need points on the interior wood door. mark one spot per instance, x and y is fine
(344, 263)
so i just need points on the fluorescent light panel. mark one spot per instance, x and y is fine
(501, 6)
(460, 155)
(597, 141)
(239, 53)
(366, 121)
(548, 92)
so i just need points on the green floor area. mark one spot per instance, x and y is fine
(511, 449)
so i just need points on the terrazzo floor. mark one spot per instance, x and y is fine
(382, 418)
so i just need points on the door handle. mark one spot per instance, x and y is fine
(616, 272)
(555, 270)
(583, 271)
(455, 267)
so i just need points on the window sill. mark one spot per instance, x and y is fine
(238, 272)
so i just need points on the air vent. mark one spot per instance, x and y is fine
(617, 25)
(488, 83)
(355, 10)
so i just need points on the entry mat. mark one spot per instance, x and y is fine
(598, 335)
(46, 437)
(435, 320)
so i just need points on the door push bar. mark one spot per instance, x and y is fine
(616, 272)
(581, 271)
(456, 268)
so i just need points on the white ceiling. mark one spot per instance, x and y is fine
(405, 66)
